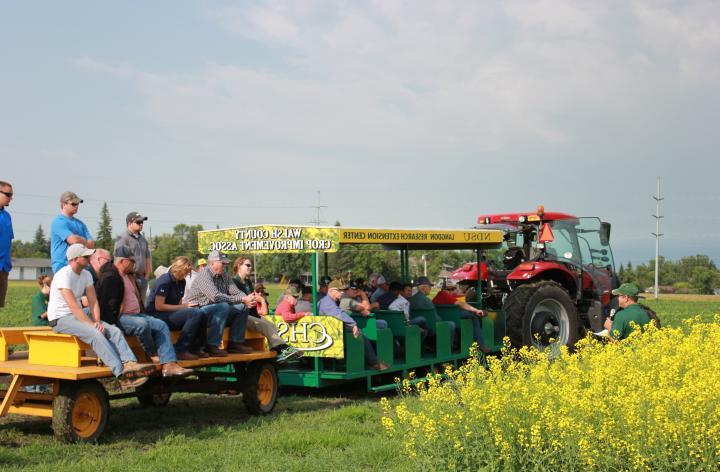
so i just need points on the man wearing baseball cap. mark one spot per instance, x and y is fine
(66, 230)
(65, 315)
(328, 306)
(214, 291)
(134, 239)
(621, 325)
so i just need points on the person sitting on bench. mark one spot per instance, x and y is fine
(65, 316)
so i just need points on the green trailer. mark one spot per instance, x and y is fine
(332, 356)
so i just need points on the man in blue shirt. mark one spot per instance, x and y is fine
(67, 230)
(6, 237)
(328, 306)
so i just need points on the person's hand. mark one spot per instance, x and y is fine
(249, 300)
(356, 331)
(192, 304)
(99, 326)
(481, 313)
(43, 316)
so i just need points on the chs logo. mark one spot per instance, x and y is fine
(311, 336)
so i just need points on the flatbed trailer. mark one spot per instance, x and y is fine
(333, 356)
(76, 395)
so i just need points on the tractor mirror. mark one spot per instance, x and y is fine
(605, 233)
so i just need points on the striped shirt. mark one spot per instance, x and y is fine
(208, 288)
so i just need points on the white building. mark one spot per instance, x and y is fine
(29, 268)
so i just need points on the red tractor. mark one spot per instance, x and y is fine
(553, 279)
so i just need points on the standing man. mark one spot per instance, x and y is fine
(631, 313)
(66, 230)
(6, 237)
(134, 239)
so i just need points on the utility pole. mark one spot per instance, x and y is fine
(424, 259)
(318, 207)
(657, 235)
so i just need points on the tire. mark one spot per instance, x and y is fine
(80, 411)
(550, 317)
(514, 308)
(260, 387)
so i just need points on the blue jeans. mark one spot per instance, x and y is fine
(153, 334)
(191, 322)
(110, 345)
(221, 314)
(477, 325)
(381, 324)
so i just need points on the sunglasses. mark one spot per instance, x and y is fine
(7, 194)
(141, 222)
(73, 204)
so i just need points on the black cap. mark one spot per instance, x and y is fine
(135, 216)
(423, 281)
(353, 285)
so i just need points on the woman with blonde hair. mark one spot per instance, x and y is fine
(165, 303)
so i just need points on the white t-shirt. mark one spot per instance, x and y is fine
(401, 304)
(66, 278)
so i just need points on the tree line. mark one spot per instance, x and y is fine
(690, 274)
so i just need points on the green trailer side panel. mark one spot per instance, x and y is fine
(453, 313)
(443, 338)
(385, 346)
(493, 327)
(413, 349)
(429, 314)
(354, 354)
(395, 321)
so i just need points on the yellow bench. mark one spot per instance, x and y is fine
(14, 336)
(63, 350)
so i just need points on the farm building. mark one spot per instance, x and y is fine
(29, 268)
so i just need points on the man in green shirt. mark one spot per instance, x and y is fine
(620, 326)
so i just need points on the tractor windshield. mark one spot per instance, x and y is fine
(565, 246)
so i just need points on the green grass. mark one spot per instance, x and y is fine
(313, 431)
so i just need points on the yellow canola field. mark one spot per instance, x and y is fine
(650, 402)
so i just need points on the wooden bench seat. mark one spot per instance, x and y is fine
(15, 335)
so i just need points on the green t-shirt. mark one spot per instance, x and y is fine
(39, 306)
(621, 327)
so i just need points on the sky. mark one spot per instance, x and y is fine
(400, 114)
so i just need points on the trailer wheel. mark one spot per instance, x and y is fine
(514, 308)
(147, 398)
(260, 387)
(550, 317)
(80, 411)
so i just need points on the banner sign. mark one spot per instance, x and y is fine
(267, 239)
(315, 336)
(307, 239)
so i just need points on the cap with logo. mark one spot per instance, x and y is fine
(324, 280)
(292, 291)
(353, 285)
(628, 289)
(123, 251)
(423, 281)
(201, 261)
(218, 256)
(70, 197)
(77, 250)
(135, 216)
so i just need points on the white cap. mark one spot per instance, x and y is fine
(161, 269)
(380, 280)
(78, 250)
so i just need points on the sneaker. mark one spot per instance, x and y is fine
(127, 384)
(172, 369)
(186, 356)
(287, 354)
(214, 351)
(239, 348)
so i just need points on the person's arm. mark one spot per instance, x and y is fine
(470, 308)
(75, 309)
(160, 304)
(238, 296)
(205, 285)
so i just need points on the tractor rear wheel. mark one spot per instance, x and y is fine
(550, 317)
(514, 308)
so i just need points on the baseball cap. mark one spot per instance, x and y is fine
(380, 280)
(423, 281)
(70, 197)
(123, 251)
(627, 289)
(337, 285)
(218, 256)
(259, 288)
(324, 280)
(161, 269)
(135, 216)
(77, 250)
(292, 291)
(353, 285)
(201, 261)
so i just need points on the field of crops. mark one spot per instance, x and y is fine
(596, 416)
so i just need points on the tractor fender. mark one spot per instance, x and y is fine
(528, 272)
